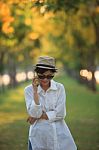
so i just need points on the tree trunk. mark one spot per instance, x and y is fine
(12, 73)
(2, 55)
(92, 68)
(92, 83)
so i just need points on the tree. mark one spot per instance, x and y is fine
(66, 29)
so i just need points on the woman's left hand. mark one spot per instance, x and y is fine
(44, 116)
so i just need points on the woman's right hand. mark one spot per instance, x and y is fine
(35, 83)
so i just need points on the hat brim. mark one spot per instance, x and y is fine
(43, 67)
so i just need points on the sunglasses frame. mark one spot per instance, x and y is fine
(45, 76)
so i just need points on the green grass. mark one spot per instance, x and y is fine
(82, 116)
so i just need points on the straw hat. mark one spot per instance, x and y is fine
(45, 62)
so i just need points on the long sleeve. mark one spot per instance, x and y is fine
(32, 109)
(60, 111)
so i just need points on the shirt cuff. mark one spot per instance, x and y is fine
(51, 115)
(36, 110)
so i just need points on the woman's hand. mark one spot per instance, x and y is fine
(44, 116)
(31, 120)
(35, 82)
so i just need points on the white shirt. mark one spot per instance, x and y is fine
(52, 134)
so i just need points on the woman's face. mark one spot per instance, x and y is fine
(45, 77)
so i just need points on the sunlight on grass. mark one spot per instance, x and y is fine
(13, 106)
(6, 118)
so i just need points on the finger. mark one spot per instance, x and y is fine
(35, 81)
(31, 121)
(27, 119)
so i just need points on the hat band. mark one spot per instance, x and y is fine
(43, 65)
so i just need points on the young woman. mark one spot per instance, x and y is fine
(45, 102)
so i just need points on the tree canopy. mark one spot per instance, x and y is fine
(66, 29)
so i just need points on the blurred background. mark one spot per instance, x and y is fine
(67, 30)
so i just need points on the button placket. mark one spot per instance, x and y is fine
(46, 101)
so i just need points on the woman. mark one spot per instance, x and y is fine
(46, 107)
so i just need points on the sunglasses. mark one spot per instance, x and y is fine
(44, 76)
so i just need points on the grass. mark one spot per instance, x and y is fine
(82, 116)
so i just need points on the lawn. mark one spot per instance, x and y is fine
(82, 116)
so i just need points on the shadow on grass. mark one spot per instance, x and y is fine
(14, 136)
(85, 133)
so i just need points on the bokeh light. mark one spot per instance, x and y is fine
(6, 79)
(30, 75)
(84, 73)
(97, 76)
(88, 74)
(21, 76)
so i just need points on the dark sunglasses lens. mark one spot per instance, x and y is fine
(50, 77)
(43, 77)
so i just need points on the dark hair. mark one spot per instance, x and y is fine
(42, 70)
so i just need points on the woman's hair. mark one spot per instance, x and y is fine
(42, 70)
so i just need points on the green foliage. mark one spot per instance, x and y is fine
(66, 29)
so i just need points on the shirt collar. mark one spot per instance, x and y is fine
(52, 87)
